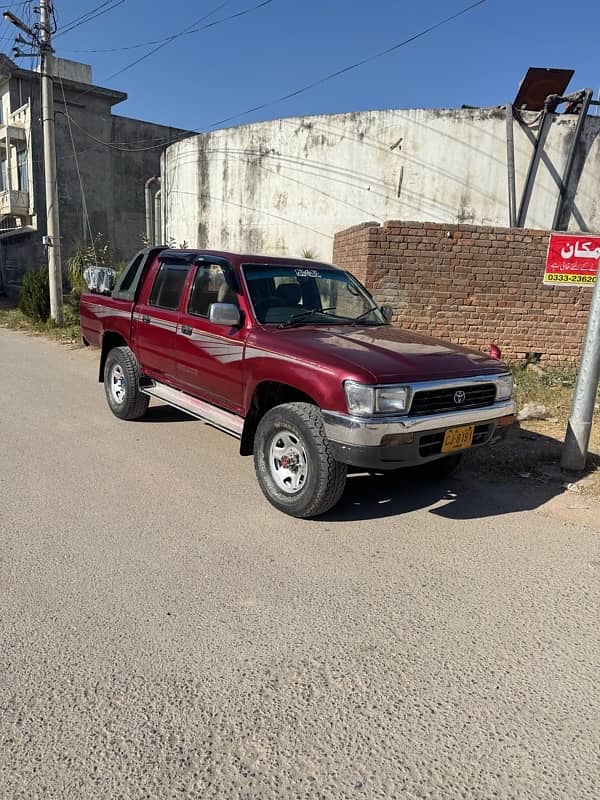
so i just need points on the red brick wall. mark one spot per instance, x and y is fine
(352, 247)
(471, 284)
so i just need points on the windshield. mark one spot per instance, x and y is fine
(288, 295)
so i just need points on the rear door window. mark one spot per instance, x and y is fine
(168, 286)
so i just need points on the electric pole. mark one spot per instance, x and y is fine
(52, 219)
(42, 41)
(577, 438)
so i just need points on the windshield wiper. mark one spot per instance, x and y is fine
(366, 314)
(297, 319)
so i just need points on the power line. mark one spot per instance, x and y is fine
(168, 39)
(189, 29)
(6, 26)
(175, 36)
(303, 89)
(113, 146)
(89, 17)
(87, 13)
(83, 197)
(350, 67)
(263, 211)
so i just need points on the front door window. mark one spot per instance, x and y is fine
(210, 286)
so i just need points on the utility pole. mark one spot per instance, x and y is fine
(42, 40)
(52, 219)
(577, 438)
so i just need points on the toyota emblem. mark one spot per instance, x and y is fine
(459, 397)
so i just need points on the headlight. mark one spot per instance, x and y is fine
(505, 387)
(365, 400)
(359, 398)
(391, 398)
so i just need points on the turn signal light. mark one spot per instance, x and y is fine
(504, 422)
(397, 439)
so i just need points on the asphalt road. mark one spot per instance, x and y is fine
(164, 633)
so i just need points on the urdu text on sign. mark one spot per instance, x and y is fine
(572, 259)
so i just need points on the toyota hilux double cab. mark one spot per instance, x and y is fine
(296, 360)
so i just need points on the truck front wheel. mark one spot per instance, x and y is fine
(121, 384)
(294, 467)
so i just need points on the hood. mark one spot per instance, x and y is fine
(389, 354)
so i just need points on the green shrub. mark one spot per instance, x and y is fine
(97, 253)
(35, 295)
(76, 264)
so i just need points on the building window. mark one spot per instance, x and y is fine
(22, 170)
(3, 175)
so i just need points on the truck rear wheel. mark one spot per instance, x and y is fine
(121, 384)
(294, 467)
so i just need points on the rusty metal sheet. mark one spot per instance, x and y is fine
(538, 83)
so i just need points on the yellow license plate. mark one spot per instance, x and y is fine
(458, 438)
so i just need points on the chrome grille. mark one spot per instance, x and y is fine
(439, 401)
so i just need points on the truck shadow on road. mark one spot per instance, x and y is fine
(521, 474)
(465, 496)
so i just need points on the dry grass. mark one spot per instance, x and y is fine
(11, 317)
(532, 450)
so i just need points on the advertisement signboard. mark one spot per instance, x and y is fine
(572, 260)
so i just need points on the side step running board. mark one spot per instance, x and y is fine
(211, 415)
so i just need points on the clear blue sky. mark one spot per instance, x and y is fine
(198, 79)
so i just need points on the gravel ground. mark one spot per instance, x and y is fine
(164, 633)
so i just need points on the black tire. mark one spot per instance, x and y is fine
(122, 366)
(442, 467)
(324, 477)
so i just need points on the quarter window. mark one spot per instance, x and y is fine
(168, 285)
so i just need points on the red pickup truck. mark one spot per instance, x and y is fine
(295, 359)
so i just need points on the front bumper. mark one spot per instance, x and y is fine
(392, 442)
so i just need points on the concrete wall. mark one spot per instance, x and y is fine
(71, 70)
(22, 252)
(130, 171)
(113, 177)
(474, 285)
(290, 184)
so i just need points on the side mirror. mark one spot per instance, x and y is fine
(388, 312)
(226, 314)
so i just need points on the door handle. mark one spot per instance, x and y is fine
(145, 318)
(186, 329)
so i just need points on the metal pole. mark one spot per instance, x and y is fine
(52, 218)
(564, 184)
(531, 170)
(148, 192)
(510, 163)
(157, 217)
(577, 438)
